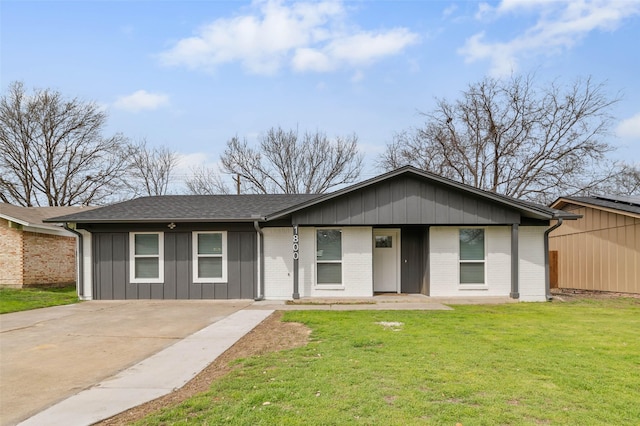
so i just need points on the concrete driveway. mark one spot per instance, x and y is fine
(47, 355)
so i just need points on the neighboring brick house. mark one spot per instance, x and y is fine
(33, 253)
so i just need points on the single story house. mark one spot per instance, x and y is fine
(600, 251)
(33, 253)
(406, 231)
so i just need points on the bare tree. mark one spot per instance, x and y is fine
(514, 138)
(290, 164)
(53, 151)
(206, 181)
(150, 169)
(625, 181)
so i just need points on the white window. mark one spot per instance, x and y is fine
(328, 256)
(146, 254)
(209, 257)
(472, 256)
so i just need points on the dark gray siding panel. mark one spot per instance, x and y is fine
(383, 196)
(407, 201)
(412, 266)
(207, 291)
(233, 265)
(144, 291)
(220, 291)
(356, 208)
(370, 207)
(170, 276)
(195, 291)
(111, 268)
(398, 201)
(177, 267)
(157, 291)
(413, 204)
(110, 273)
(183, 271)
(242, 265)
(343, 215)
(120, 275)
(248, 266)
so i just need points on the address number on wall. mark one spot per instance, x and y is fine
(296, 243)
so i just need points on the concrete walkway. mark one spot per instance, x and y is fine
(158, 375)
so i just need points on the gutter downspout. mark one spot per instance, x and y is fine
(79, 260)
(256, 225)
(547, 279)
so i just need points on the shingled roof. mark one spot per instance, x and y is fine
(190, 208)
(238, 208)
(34, 216)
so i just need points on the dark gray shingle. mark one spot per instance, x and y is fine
(190, 208)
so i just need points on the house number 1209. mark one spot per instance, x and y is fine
(296, 245)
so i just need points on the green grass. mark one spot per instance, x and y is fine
(14, 300)
(530, 363)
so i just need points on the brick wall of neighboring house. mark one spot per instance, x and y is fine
(10, 255)
(49, 259)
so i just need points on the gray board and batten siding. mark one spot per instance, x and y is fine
(111, 266)
(406, 200)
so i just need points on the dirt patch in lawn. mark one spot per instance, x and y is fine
(269, 336)
(568, 294)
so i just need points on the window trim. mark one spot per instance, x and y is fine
(474, 286)
(329, 286)
(196, 256)
(133, 257)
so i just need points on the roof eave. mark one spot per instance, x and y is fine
(157, 220)
(15, 219)
(562, 201)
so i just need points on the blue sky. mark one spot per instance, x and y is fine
(192, 74)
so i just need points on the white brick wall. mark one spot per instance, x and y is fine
(531, 267)
(278, 263)
(443, 261)
(444, 267)
(357, 266)
(357, 263)
(498, 261)
(307, 263)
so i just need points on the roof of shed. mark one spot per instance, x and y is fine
(611, 202)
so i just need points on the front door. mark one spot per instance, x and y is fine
(386, 260)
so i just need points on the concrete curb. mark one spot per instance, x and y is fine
(153, 377)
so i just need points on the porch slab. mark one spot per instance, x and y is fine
(380, 302)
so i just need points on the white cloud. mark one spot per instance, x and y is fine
(141, 100)
(353, 50)
(311, 36)
(629, 128)
(187, 162)
(450, 10)
(560, 25)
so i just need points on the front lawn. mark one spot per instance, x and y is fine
(13, 300)
(530, 363)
